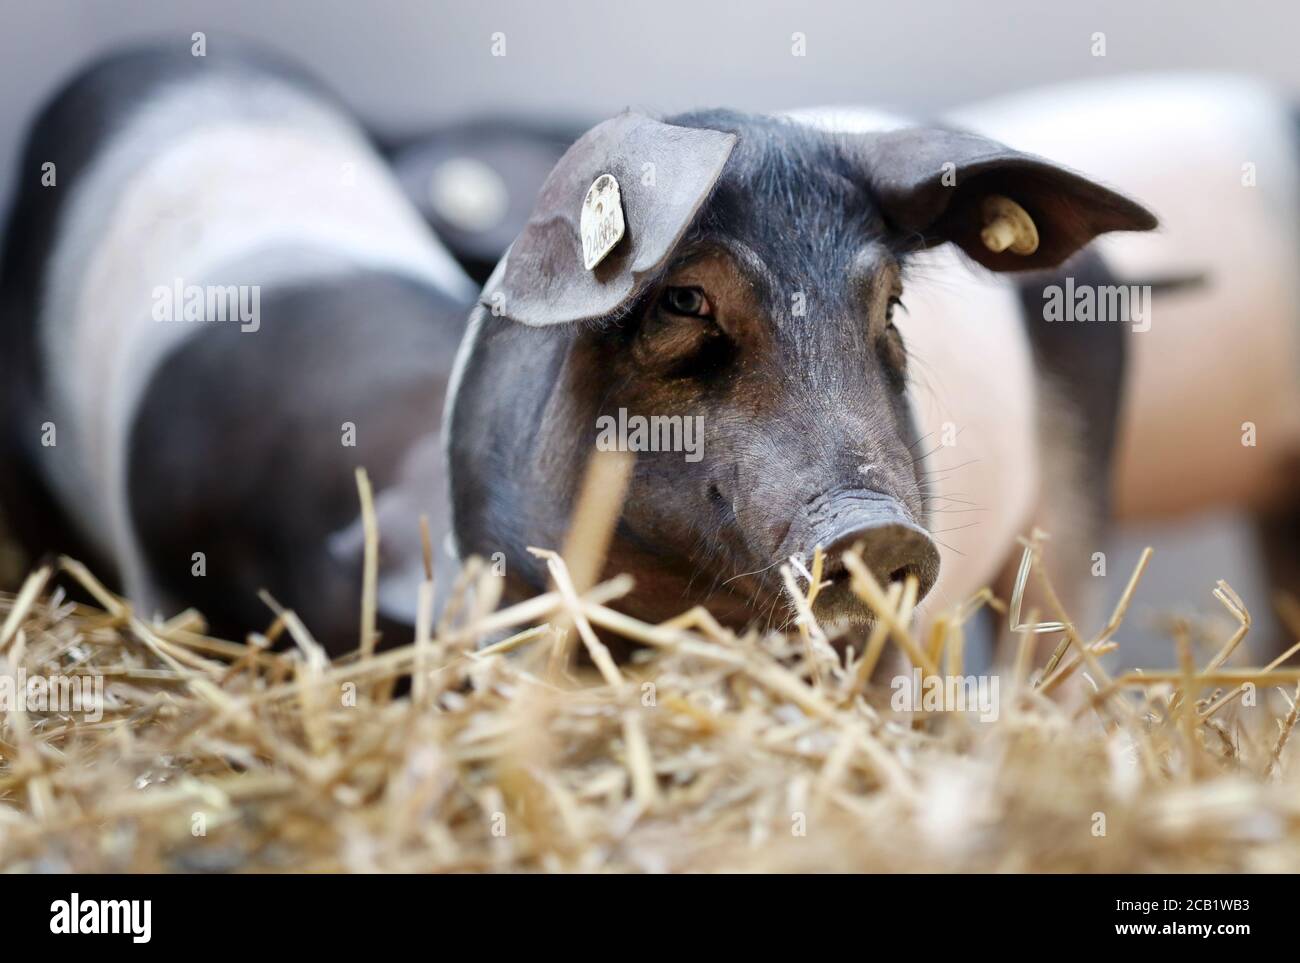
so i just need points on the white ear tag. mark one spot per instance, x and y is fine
(602, 224)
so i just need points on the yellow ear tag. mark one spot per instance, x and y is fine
(601, 224)
(1007, 226)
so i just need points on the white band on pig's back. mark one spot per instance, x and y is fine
(268, 191)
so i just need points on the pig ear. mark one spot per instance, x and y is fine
(664, 174)
(952, 186)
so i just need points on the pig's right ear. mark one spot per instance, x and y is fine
(664, 174)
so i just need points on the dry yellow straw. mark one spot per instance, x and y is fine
(709, 750)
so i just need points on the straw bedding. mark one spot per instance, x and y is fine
(704, 752)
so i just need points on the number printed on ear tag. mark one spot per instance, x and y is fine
(602, 220)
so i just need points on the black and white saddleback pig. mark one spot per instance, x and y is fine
(217, 303)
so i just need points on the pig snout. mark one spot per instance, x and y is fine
(892, 545)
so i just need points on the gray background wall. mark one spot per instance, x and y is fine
(404, 65)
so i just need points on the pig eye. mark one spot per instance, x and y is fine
(892, 349)
(690, 302)
(894, 302)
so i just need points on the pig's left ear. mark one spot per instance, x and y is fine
(950, 186)
(664, 174)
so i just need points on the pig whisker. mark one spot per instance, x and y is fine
(709, 549)
(932, 471)
(714, 585)
(919, 440)
(712, 554)
(919, 375)
(947, 546)
(957, 528)
(940, 479)
(933, 500)
(771, 610)
(757, 571)
(940, 497)
(955, 498)
(789, 622)
(921, 458)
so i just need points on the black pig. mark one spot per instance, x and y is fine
(760, 287)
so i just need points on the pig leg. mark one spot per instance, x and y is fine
(1071, 511)
(1278, 528)
(1081, 368)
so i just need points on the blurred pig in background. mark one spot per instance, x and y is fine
(217, 306)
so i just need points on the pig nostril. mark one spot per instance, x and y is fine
(833, 569)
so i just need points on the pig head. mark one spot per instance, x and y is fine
(754, 293)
